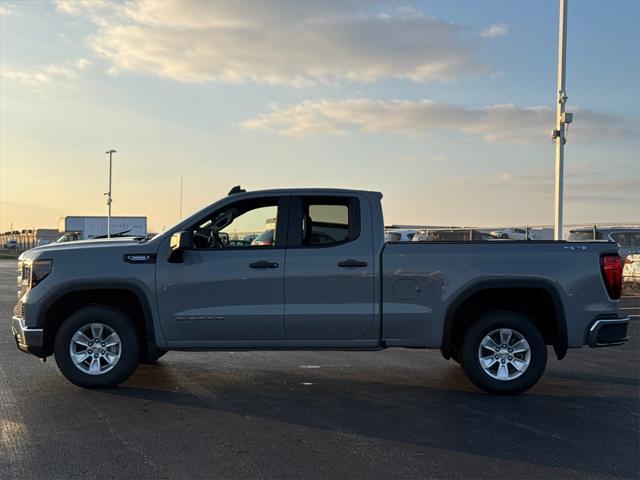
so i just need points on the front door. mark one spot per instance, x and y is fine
(329, 274)
(228, 289)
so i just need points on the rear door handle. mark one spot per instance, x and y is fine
(263, 264)
(352, 263)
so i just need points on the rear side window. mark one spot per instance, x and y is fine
(324, 221)
(325, 224)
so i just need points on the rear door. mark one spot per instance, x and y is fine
(329, 269)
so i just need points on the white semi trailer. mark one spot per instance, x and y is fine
(85, 228)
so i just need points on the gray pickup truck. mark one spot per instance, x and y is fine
(309, 269)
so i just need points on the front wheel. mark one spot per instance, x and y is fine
(97, 346)
(503, 353)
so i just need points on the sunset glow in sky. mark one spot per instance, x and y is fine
(446, 107)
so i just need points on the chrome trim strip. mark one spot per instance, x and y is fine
(25, 336)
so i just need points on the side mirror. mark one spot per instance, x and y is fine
(180, 241)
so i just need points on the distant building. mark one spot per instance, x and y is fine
(28, 238)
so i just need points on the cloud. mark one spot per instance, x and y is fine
(281, 43)
(583, 183)
(493, 124)
(42, 75)
(495, 30)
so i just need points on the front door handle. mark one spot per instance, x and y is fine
(263, 264)
(352, 263)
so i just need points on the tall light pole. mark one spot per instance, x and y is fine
(562, 119)
(108, 194)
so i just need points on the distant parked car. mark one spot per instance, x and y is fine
(513, 234)
(238, 243)
(399, 235)
(11, 244)
(450, 235)
(249, 238)
(264, 239)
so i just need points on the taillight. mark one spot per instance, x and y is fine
(611, 267)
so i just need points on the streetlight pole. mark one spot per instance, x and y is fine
(108, 194)
(562, 119)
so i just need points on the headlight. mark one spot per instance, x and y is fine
(39, 270)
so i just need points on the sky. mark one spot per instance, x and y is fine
(445, 107)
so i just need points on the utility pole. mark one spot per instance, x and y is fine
(562, 119)
(108, 194)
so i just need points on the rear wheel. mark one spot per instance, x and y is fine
(503, 353)
(96, 347)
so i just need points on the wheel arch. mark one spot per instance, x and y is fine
(127, 296)
(490, 288)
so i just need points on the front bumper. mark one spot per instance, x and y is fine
(608, 332)
(27, 339)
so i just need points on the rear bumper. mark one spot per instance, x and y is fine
(608, 332)
(27, 339)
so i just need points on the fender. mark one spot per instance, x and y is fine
(559, 346)
(80, 285)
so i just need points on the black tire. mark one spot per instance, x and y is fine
(455, 355)
(504, 236)
(152, 355)
(121, 324)
(491, 322)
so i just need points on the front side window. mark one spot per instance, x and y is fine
(241, 225)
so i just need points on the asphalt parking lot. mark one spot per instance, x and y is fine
(391, 414)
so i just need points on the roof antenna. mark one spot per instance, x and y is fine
(235, 190)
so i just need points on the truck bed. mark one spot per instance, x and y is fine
(424, 280)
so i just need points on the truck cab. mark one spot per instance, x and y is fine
(237, 292)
